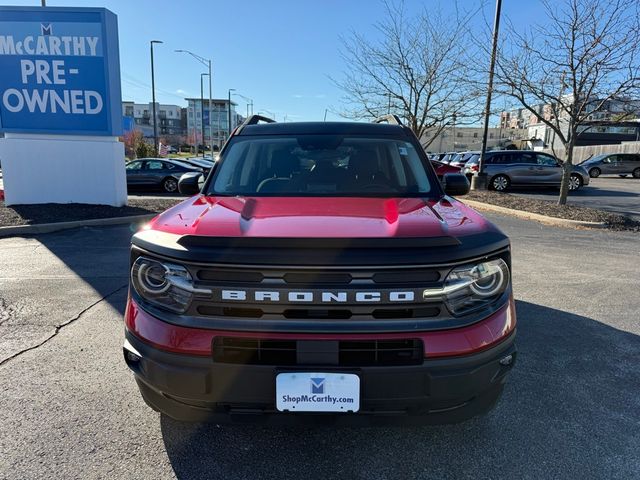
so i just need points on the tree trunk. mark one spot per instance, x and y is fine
(567, 168)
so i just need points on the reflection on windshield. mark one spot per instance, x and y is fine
(321, 165)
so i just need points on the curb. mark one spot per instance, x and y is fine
(18, 230)
(561, 222)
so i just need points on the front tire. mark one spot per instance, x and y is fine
(575, 182)
(594, 172)
(170, 185)
(500, 183)
(636, 173)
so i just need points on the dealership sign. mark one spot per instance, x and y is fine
(59, 71)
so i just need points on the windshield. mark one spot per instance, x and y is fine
(321, 165)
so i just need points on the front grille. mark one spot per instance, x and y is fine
(345, 281)
(349, 353)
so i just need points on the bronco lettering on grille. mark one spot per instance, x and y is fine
(317, 296)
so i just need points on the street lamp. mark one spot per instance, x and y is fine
(204, 144)
(153, 100)
(229, 111)
(249, 102)
(207, 63)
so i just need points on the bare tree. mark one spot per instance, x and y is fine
(416, 69)
(580, 59)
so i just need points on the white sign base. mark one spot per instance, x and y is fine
(63, 169)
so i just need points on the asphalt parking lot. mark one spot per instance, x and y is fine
(611, 193)
(70, 409)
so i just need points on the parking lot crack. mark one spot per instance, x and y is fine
(59, 327)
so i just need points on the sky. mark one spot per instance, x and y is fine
(280, 53)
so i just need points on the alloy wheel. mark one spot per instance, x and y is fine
(170, 185)
(574, 182)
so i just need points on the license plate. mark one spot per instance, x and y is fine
(317, 392)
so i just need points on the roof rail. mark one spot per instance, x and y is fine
(390, 119)
(254, 119)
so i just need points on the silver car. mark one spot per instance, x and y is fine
(613, 163)
(506, 168)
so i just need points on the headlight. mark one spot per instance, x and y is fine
(164, 284)
(470, 287)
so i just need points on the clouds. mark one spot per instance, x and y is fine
(316, 96)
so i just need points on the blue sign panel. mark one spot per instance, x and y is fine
(60, 71)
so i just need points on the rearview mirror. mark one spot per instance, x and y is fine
(455, 184)
(190, 183)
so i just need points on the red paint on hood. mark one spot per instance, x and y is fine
(313, 217)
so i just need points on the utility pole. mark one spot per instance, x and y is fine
(153, 100)
(453, 134)
(204, 144)
(229, 110)
(479, 181)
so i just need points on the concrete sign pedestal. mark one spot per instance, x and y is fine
(63, 169)
(61, 106)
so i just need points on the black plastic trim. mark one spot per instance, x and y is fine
(267, 252)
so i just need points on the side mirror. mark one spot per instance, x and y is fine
(190, 183)
(455, 184)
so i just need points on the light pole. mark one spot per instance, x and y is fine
(207, 63)
(479, 181)
(229, 112)
(249, 102)
(153, 100)
(204, 144)
(454, 118)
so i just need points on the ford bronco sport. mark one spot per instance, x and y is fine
(321, 272)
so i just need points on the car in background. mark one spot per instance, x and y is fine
(461, 160)
(160, 173)
(448, 157)
(510, 168)
(205, 163)
(442, 168)
(613, 163)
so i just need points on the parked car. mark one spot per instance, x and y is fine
(507, 168)
(157, 172)
(205, 163)
(616, 163)
(442, 168)
(327, 272)
(447, 157)
(462, 159)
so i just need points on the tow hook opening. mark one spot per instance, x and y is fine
(507, 361)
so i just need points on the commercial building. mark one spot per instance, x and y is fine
(612, 124)
(217, 112)
(171, 119)
(457, 139)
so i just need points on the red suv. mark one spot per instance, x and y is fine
(321, 271)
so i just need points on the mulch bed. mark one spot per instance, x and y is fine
(55, 212)
(552, 209)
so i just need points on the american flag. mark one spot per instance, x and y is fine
(163, 150)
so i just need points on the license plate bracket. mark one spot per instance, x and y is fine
(334, 392)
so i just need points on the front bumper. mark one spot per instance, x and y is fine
(439, 390)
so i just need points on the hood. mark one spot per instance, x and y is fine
(320, 217)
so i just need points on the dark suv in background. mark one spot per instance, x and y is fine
(506, 168)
